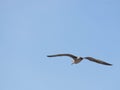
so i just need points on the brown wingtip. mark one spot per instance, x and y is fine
(109, 64)
(48, 56)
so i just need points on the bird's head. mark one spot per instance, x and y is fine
(80, 58)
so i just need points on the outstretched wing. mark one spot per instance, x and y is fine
(69, 55)
(97, 61)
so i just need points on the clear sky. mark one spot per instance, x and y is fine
(32, 29)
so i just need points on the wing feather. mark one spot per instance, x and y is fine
(97, 61)
(69, 55)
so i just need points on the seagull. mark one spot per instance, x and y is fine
(77, 60)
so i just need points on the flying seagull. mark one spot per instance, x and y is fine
(76, 59)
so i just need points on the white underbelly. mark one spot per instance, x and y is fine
(76, 61)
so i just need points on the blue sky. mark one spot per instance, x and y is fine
(32, 29)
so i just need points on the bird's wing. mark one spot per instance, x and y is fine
(69, 55)
(97, 61)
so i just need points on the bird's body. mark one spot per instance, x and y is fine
(76, 59)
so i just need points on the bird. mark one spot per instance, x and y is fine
(77, 60)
